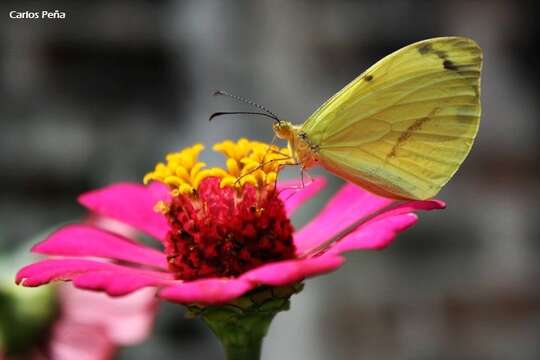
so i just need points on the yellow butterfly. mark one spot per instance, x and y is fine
(403, 127)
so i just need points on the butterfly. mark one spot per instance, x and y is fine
(403, 127)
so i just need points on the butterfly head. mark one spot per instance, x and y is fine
(284, 129)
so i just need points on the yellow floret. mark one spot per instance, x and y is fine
(227, 181)
(246, 162)
(161, 207)
(232, 166)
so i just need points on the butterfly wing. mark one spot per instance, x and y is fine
(403, 127)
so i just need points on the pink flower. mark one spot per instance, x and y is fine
(223, 231)
(92, 325)
(78, 324)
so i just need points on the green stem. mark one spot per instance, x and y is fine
(241, 326)
(241, 334)
(250, 352)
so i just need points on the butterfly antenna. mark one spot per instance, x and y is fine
(249, 102)
(216, 114)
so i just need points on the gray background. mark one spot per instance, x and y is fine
(100, 97)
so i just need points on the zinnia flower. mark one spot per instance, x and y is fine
(223, 232)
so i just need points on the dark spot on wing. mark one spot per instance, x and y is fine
(441, 54)
(428, 49)
(407, 134)
(368, 78)
(415, 126)
(449, 65)
(425, 48)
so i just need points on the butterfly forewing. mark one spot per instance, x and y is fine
(404, 126)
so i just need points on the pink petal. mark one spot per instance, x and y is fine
(208, 291)
(294, 194)
(291, 271)
(132, 204)
(350, 204)
(215, 291)
(349, 209)
(84, 240)
(116, 280)
(411, 206)
(376, 234)
(126, 320)
(380, 230)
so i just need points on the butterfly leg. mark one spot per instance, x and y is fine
(303, 183)
(260, 166)
(280, 153)
(310, 178)
(270, 148)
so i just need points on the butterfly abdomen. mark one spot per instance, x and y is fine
(305, 150)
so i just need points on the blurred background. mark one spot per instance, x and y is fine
(101, 96)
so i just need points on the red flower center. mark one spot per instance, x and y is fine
(226, 231)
